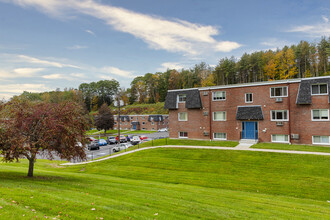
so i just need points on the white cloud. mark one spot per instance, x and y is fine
(16, 89)
(69, 77)
(159, 33)
(117, 71)
(90, 32)
(315, 30)
(77, 47)
(325, 19)
(19, 73)
(170, 65)
(274, 43)
(33, 60)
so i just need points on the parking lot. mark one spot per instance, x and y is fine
(108, 149)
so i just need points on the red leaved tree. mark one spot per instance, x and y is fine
(28, 129)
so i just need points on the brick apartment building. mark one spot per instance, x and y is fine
(142, 122)
(285, 111)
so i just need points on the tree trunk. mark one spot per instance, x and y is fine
(31, 166)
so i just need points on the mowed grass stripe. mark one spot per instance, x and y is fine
(185, 184)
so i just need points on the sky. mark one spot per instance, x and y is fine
(51, 44)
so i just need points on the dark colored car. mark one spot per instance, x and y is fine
(92, 144)
(112, 140)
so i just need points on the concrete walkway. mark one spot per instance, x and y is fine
(244, 147)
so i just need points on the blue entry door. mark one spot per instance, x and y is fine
(134, 126)
(249, 130)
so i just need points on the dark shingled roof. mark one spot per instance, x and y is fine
(155, 118)
(193, 99)
(124, 118)
(305, 94)
(249, 113)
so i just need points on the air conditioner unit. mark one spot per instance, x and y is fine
(205, 113)
(206, 133)
(295, 136)
(205, 93)
(279, 123)
(279, 100)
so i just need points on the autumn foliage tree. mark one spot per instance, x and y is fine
(104, 120)
(29, 128)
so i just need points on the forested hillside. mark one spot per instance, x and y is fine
(297, 61)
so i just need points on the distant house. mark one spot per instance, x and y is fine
(142, 122)
(284, 111)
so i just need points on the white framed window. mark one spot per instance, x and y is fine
(321, 140)
(152, 123)
(152, 129)
(280, 138)
(320, 115)
(115, 123)
(143, 128)
(279, 92)
(125, 123)
(143, 123)
(320, 89)
(182, 98)
(183, 116)
(248, 97)
(183, 134)
(219, 95)
(279, 115)
(143, 118)
(219, 116)
(220, 136)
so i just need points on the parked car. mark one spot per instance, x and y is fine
(162, 130)
(120, 147)
(135, 140)
(92, 144)
(143, 138)
(122, 139)
(102, 142)
(79, 144)
(112, 140)
(129, 137)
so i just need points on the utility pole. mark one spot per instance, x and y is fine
(118, 102)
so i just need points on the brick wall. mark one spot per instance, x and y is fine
(300, 121)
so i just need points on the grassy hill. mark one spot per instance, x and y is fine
(170, 183)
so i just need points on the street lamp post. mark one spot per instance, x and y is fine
(119, 103)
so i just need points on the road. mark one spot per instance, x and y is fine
(107, 150)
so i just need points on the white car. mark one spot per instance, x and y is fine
(121, 146)
(162, 130)
(135, 140)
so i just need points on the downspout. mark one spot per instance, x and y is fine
(289, 108)
(210, 113)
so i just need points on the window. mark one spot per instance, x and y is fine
(281, 138)
(143, 128)
(183, 116)
(183, 134)
(248, 97)
(279, 115)
(321, 140)
(182, 98)
(152, 123)
(131, 118)
(219, 116)
(143, 118)
(115, 123)
(143, 123)
(279, 92)
(125, 123)
(220, 136)
(320, 89)
(220, 95)
(152, 129)
(320, 114)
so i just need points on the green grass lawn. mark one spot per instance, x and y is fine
(169, 183)
(278, 146)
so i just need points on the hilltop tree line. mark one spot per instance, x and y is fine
(297, 61)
